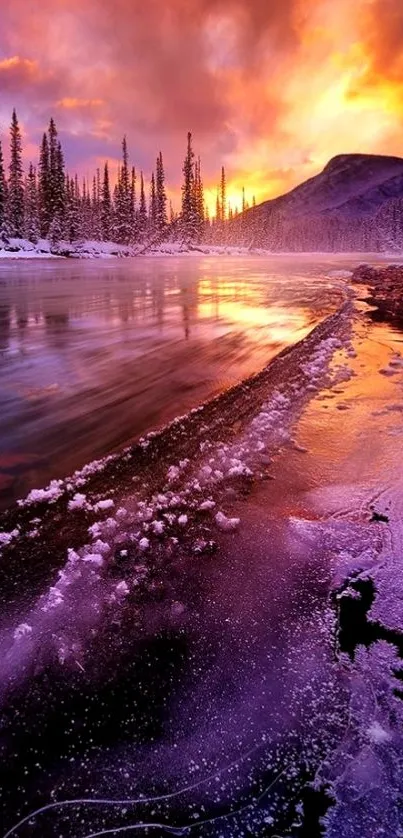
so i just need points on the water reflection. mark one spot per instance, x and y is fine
(94, 354)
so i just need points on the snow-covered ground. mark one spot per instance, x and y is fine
(24, 249)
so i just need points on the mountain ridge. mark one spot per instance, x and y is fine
(354, 203)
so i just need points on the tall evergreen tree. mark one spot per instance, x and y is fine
(43, 187)
(106, 207)
(133, 215)
(122, 226)
(3, 192)
(31, 214)
(189, 213)
(60, 183)
(53, 197)
(223, 195)
(72, 211)
(152, 217)
(161, 197)
(15, 209)
(142, 214)
(199, 200)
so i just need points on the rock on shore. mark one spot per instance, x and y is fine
(386, 287)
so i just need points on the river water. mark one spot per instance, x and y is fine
(93, 354)
(187, 641)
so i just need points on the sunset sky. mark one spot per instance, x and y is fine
(270, 88)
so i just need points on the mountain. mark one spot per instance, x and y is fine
(355, 203)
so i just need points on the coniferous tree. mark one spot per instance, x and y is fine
(189, 213)
(53, 177)
(161, 198)
(223, 195)
(31, 214)
(132, 211)
(43, 187)
(60, 184)
(106, 206)
(199, 201)
(152, 217)
(122, 229)
(3, 194)
(15, 200)
(72, 213)
(142, 214)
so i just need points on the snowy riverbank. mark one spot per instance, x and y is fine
(43, 249)
(24, 249)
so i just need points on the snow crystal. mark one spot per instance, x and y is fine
(144, 544)
(226, 524)
(23, 630)
(51, 493)
(54, 599)
(207, 505)
(93, 558)
(158, 527)
(77, 502)
(7, 537)
(95, 530)
(102, 547)
(173, 473)
(104, 504)
(377, 734)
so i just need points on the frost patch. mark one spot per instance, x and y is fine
(108, 503)
(226, 524)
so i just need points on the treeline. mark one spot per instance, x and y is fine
(47, 202)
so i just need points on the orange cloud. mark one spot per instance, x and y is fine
(70, 103)
(270, 88)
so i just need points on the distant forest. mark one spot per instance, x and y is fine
(49, 203)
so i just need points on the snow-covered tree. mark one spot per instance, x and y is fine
(3, 191)
(122, 228)
(31, 214)
(43, 187)
(106, 206)
(73, 210)
(142, 213)
(189, 227)
(161, 198)
(152, 216)
(15, 200)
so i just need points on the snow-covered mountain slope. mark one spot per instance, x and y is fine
(350, 183)
(354, 204)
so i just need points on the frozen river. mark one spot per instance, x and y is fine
(93, 354)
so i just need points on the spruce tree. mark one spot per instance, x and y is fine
(133, 216)
(60, 183)
(53, 171)
(223, 195)
(161, 198)
(189, 213)
(72, 211)
(43, 188)
(122, 228)
(31, 214)
(15, 182)
(106, 207)
(199, 201)
(152, 218)
(3, 191)
(142, 214)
